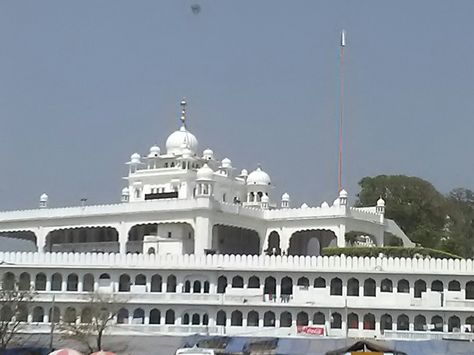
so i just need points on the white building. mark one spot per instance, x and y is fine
(197, 247)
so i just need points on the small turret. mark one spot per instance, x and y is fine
(285, 200)
(43, 201)
(380, 209)
(343, 197)
(125, 194)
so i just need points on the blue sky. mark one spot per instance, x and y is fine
(83, 84)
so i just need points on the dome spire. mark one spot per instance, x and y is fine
(183, 112)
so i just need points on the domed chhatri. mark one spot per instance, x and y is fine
(258, 177)
(205, 173)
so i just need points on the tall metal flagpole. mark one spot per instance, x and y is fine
(341, 111)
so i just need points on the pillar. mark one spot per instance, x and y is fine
(41, 239)
(341, 236)
(202, 235)
(123, 237)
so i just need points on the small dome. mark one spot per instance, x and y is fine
(125, 191)
(154, 151)
(135, 158)
(226, 163)
(208, 154)
(380, 202)
(186, 152)
(343, 193)
(265, 198)
(205, 173)
(258, 177)
(44, 197)
(285, 197)
(336, 202)
(244, 173)
(180, 138)
(324, 205)
(304, 205)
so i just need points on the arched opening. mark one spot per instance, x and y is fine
(302, 319)
(369, 288)
(319, 318)
(206, 286)
(273, 244)
(254, 282)
(437, 324)
(235, 240)
(236, 319)
(18, 241)
(470, 323)
(286, 288)
(38, 314)
(40, 282)
(140, 280)
(221, 284)
(403, 323)
(221, 318)
(353, 287)
(319, 283)
(303, 282)
(104, 280)
(369, 321)
(420, 323)
(196, 319)
(72, 282)
(54, 315)
(21, 313)
(336, 321)
(138, 316)
(269, 319)
(169, 317)
(352, 321)
(187, 286)
(311, 242)
(386, 322)
(171, 283)
(437, 286)
(70, 315)
(155, 316)
(386, 285)
(470, 290)
(86, 316)
(420, 287)
(197, 286)
(6, 314)
(237, 282)
(185, 319)
(84, 239)
(252, 319)
(454, 286)
(56, 282)
(88, 283)
(124, 283)
(285, 320)
(403, 286)
(122, 316)
(24, 283)
(205, 319)
(270, 287)
(454, 324)
(336, 287)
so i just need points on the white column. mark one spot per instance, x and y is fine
(341, 236)
(202, 235)
(41, 239)
(123, 237)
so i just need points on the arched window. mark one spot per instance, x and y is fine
(470, 290)
(252, 319)
(38, 314)
(155, 316)
(70, 315)
(185, 319)
(319, 283)
(254, 282)
(88, 283)
(171, 285)
(303, 282)
(336, 287)
(319, 318)
(197, 286)
(124, 283)
(196, 319)
(270, 286)
(454, 324)
(353, 287)
(169, 317)
(24, 283)
(236, 319)
(206, 286)
(151, 251)
(302, 319)
(420, 323)
(437, 323)
(72, 281)
(470, 321)
(237, 282)
(54, 315)
(454, 286)
(336, 321)
(420, 287)
(8, 281)
(403, 286)
(386, 322)
(56, 282)
(21, 313)
(221, 318)
(156, 283)
(221, 284)
(187, 286)
(285, 319)
(403, 323)
(104, 276)
(286, 286)
(437, 286)
(352, 321)
(205, 319)
(369, 288)
(140, 280)
(386, 285)
(86, 316)
(40, 282)
(6, 314)
(269, 319)
(122, 316)
(369, 321)
(138, 316)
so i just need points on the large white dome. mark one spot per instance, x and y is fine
(258, 177)
(179, 139)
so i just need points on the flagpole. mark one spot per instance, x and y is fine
(341, 110)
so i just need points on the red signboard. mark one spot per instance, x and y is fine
(312, 330)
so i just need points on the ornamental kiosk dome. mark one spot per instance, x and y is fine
(135, 158)
(258, 177)
(205, 173)
(154, 152)
(226, 163)
(381, 202)
(208, 154)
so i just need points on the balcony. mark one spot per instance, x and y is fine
(97, 247)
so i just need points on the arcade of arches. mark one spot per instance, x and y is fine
(235, 240)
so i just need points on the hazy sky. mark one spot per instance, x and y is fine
(83, 84)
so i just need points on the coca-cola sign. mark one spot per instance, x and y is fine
(312, 330)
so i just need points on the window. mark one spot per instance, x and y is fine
(169, 234)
